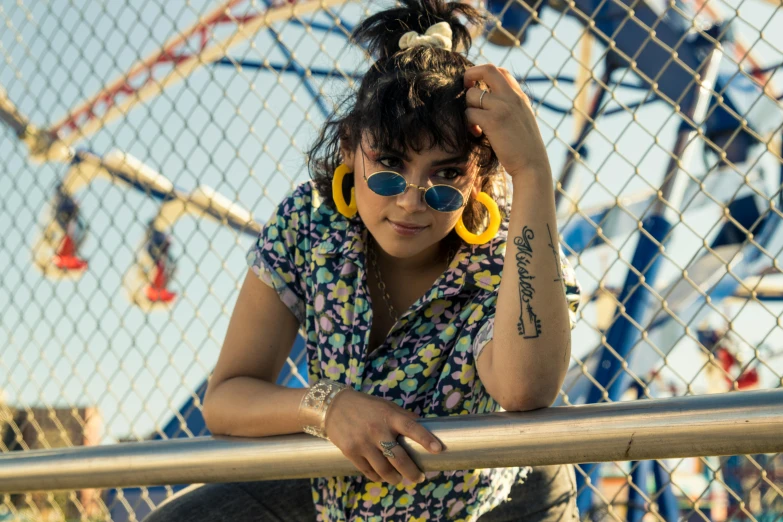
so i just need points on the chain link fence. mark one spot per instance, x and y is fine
(143, 144)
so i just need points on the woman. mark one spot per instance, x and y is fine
(390, 262)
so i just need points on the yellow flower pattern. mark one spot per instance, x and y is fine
(315, 259)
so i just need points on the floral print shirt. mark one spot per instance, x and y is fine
(315, 259)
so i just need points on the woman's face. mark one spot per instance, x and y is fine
(385, 216)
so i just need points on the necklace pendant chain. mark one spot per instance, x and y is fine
(382, 285)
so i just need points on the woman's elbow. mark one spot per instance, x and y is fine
(525, 406)
(211, 413)
(206, 412)
(529, 402)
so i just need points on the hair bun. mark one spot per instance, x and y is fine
(390, 31)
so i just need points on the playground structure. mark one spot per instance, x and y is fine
(686, 59)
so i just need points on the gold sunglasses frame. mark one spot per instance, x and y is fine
(421, 189)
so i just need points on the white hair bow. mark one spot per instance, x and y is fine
(438, 35)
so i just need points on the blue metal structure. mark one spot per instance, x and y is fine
(674, 83)
(663, 79)
(672, 80)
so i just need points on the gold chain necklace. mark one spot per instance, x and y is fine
(382, 285)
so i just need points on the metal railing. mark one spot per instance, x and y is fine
(143, 145)
(708, 425)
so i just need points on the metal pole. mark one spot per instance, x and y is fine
(579, 146)
(635, 298)
(637, 499)
(667, 503)
(720, 424)
(662, 493)
(298, 69)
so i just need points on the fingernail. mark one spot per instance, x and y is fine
(434, 446)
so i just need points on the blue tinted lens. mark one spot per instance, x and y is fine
(444, 198)
(386, 183)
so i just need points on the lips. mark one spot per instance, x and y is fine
(406, 229)
(407, 225)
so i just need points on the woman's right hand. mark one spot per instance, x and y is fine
(356, 422)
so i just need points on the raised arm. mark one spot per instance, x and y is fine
(524, 365)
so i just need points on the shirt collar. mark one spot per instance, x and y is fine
(473, 267)
(345, 237)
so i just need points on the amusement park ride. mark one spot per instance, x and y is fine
(724, 99)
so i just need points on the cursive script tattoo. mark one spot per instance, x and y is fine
(529, 326)
(554, 253)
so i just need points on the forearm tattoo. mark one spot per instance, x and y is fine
(554, 253)
(529, 326)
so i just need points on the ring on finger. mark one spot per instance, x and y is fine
(481, 98)
(387, 446)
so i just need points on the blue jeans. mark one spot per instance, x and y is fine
(548, 495)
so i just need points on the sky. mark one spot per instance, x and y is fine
(242, 131)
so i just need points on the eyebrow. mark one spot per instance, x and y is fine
(457, 159)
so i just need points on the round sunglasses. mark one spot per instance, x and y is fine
(443, 198)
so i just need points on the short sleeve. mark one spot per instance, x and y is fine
(277, 256)
(573, 294)
(571, 287)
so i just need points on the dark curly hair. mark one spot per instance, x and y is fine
(410, 99)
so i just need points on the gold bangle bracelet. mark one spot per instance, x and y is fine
(315, 404)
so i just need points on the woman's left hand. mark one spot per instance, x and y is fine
(506, 117)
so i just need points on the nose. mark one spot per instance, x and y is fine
(412, 200)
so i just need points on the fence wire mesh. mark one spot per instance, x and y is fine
(142, 145)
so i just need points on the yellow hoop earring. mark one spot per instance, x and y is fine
(337, 192)
(492, 228)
